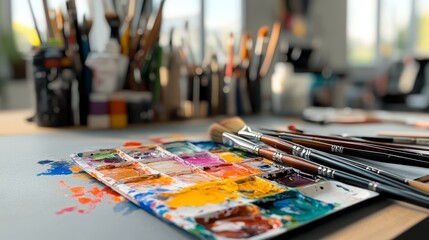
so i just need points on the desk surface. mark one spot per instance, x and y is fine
(45, 206)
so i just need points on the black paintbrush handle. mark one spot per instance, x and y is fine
(392, 192)
(338, 163)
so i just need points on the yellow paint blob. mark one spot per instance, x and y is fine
(203, 193)
(229, 157)
(255, 187)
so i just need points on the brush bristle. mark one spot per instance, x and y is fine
(216, 131)
(233, 124)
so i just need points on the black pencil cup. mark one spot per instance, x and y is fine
(53, 76)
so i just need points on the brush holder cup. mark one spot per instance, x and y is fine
(53, 78)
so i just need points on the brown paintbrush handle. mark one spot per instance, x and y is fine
(291, 161)
(278, 143)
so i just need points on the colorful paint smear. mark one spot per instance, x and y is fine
(255, 187)
(295, 179)
(239, 222)
(229, 157)
(202, 194)
(202, 159)
(229, 170)
(296, 205)
(60, 168)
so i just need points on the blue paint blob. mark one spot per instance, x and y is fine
(56, 168)
(293, 203)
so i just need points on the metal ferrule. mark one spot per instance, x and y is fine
(235, 141)
(249, 134)
(337, 149)
(301, 152)
(277, 156)
(373, 186)
(326, 172)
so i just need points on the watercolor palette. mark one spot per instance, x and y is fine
(214, 192)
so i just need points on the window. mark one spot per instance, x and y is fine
(382, 31)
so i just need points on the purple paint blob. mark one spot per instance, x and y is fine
(294, 180)
(202, 159)
(56, 168)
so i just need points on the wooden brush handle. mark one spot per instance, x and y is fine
(291, 161)
(419, 185)
(277, 143)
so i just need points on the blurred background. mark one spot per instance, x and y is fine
(365, 54)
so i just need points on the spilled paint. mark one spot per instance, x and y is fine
(255, 187)
(132, 144)
(88, 198)
(239, 222)
(202, 194)
(59, 168)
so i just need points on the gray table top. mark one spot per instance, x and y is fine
(44, 206)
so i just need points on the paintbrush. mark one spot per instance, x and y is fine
(271, 49)
(220, 134)
(399, 140)
(126, 29)
(36, 26)
(51, 34)
(245, 106)
(397, 149)
(238, 126)
(229, 82)
(256, 63)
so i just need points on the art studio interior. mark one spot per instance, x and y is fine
(214, 119)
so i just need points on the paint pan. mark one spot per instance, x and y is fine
(179, 148)
(201, 159)
(337, 193)
(255, 187)
(294, 179)
(102, 157)
(240, 222)
(263, 165)
(294, 207)
(209, 146)
(194, 177)
(126, 173)
(230, 170)
(169, 167)
(147, 154)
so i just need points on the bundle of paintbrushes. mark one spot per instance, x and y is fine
(329, 160)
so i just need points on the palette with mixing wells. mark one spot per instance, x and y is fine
(214, 192)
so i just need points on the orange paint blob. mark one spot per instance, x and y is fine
(227, 171)
(76, 169)
(84, 200)
(132, 144)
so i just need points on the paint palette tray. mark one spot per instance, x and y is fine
(213, 192)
